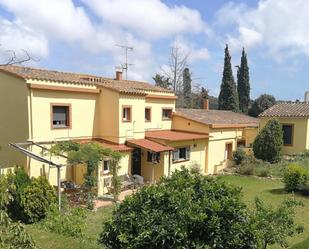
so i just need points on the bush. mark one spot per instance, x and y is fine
(239, 156)
(294, 177)
(37, 198)
(20, 180)
(268, 143)
(246, 169)
(262, 171)
(70, 221)
(187, 210)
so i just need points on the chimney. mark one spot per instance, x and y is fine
(306, 96)
(206, 104)
(118, 75)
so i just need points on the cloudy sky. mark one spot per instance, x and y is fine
(80, 36)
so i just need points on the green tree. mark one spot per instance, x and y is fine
(187, 210)
(262, 103)
(243, 83)
(162, 81)
(274, 225)
(187, 87)
(268, 143)
(228, 98)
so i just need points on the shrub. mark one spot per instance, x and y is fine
(187, 210)
(37, 198)
(70, 221)
(268, 143)
(239, 156)
(20, 180)
(294, 177)
(262, 171)
(246, 169)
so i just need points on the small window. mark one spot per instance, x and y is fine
(181, 154)
(126, 114)
(153, 157)
(147, 114)
(60, 116)
(287, 134)
(167, 114)
(106, 166)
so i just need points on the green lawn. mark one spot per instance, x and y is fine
(270, 191)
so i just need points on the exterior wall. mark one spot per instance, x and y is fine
(156, 114)
(14, 125)
(250, 134)
(300, 133)
(183, 124)
(125, 168)
(83, 115)
(108, 107)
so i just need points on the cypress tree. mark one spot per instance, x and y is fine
(243, 84)
(228, 98)
(187, 92)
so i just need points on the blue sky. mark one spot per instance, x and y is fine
(80, 36)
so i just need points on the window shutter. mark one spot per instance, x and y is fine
(187, 152)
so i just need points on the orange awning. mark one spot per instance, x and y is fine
(148, 145)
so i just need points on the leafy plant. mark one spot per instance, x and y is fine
(37, 198)
(239, 156)
(294, 177)
(246, 169)
(268, 143)
(273, 226)
(187, 210)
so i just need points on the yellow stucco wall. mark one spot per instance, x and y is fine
(250, 134)
(14, 119)
(300, 133)
(183, 124)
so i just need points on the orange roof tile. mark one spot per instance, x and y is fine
(107, 144)
(149, 145)
(173, 135)
(287, 109)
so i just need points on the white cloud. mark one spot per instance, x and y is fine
(150, 18)
(279, 25)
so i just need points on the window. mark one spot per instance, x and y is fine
(106, 166)
(61, 116)
(287, 135)
(181, 154)
(167, 114)
(126, 114)
(153, 157)
(228, 153)
(147, 114)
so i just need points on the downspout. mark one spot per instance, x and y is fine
(30, 115)
(169, 163)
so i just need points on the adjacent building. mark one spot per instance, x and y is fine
(136, 118)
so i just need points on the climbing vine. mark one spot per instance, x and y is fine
(90, 154)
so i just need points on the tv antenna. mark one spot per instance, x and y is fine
(125, 66)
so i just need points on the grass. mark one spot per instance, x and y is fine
(49, 240)
(271, 191)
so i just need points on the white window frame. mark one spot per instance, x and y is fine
(108, 165)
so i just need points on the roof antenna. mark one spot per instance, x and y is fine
(125, 66)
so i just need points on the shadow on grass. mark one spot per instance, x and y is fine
(302, 245)
(282, 191)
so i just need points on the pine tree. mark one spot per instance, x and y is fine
(228, 98)
(187, 92)
(243, 84)
(162, 81)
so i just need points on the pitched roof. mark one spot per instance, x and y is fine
(122, 86)
(287, 109)
(172, 135)
(149, 145)
(218, 118)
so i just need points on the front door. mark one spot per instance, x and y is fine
(229, 151)
(136, 162)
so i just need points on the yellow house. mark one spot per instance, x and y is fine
(42, 107)
(294, 117)
(227, 130)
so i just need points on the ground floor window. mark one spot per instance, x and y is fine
(153, 157)
(106, 166)
(287, 134)
(181, 154)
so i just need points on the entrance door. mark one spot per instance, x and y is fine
(228, 151)
(136, 162)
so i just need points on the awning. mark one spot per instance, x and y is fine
(173, 135)
(148, 145)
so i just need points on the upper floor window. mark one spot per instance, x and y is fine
(181, 154)
(147, 114)
(287, 134)
(61, 116)
(167, 113)
(126, 113)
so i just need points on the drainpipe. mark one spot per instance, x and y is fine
(169, 163)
